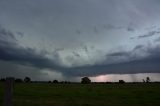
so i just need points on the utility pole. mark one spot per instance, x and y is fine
(9, 83)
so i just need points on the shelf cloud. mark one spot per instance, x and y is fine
(79, 38)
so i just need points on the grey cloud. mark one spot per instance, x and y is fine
(59, 49)
(139, 66)
(149, 64)
(119, 54)
(126, 56)
(157, 39)
(10, 69)
(20, 71)
(107, 27)
(57, 20)
(112, 27)
(96, 30)
(20, 55)
(154, 52)
(20, 34)
(151, 27)
(85, 48)
(130, 29)
(78, 31)
(149, 34)
(29, 57)
(6, 36)
(76, 54)
(132, 64)
(138, 47)
(132, 38)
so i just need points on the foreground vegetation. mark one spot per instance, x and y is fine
(45, 94)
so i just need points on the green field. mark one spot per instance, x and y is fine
(44, 94)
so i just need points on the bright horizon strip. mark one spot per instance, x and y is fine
(126, 77)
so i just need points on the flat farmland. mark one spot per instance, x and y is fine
(48, 94)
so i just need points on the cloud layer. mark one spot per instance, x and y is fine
(142, 59)
(80, 38)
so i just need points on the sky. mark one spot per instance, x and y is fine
(106, 40)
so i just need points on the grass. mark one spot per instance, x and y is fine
(44, 94)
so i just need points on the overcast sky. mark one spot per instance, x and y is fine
(69, 39)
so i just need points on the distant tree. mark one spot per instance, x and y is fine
(66, 82)
(55, 81)
(108, 82)
(121, 81)
(62, 82)
(147, 80)
(143, 80)
(18, 80)
(2, 79)
(27, 79)
(49, 81)
(85, 80)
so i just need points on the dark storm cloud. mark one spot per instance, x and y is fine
(143, 66)
(8, 68)
(29, 57)
(59, 20)
(149, 64)
(129, 55)
(11, 51)
(26, 56)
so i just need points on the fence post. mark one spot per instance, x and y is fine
(9, 83)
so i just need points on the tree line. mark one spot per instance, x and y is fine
(26, 80)
(84, 80)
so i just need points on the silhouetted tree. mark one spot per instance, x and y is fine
(55, 81)
(18, 80)
(2, 79)
(143, 80)
(121, 81)
(27, 79)
(66, 82)
(62, 82)
(85, 80)
(49, 81)
(147, 80)
(108, 82)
